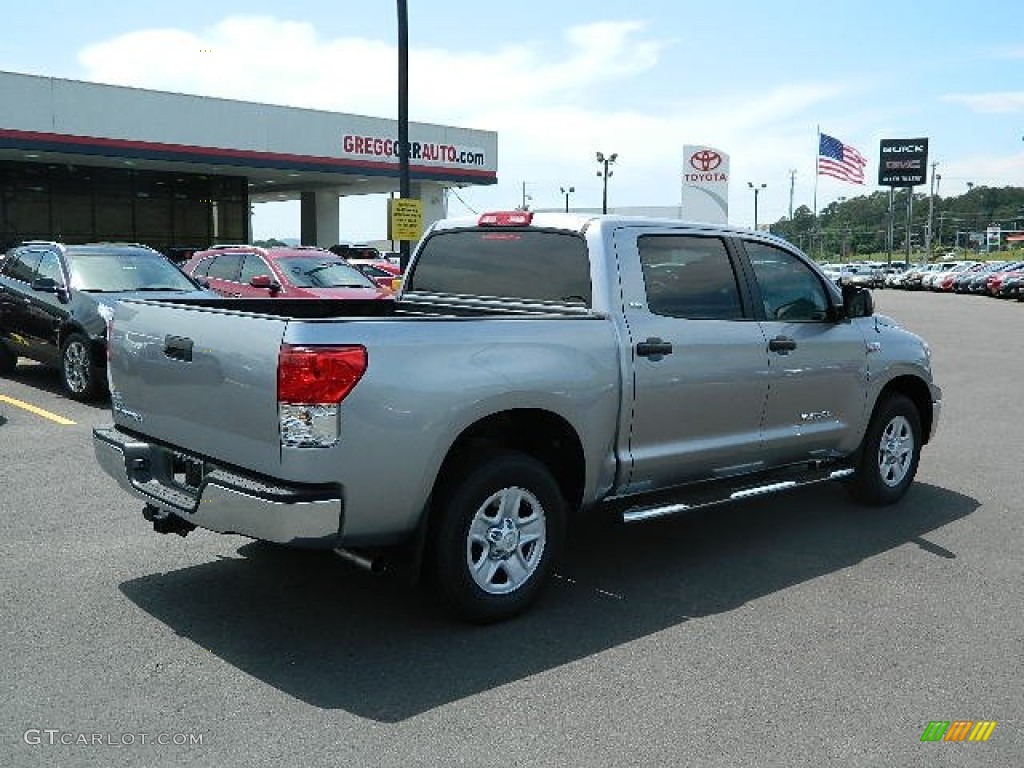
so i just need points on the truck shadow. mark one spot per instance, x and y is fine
(44, 379)
(335, 637)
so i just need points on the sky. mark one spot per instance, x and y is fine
(559, 81)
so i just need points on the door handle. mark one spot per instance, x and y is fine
(178, 348)
(782, 344)
(654, 347)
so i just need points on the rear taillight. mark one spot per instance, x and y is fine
(318, 374)
(311, 382)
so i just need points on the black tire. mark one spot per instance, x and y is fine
(77, 371)
(889, 453)
(8, 360)
(471, 529)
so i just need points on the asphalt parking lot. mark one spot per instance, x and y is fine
(797, 630)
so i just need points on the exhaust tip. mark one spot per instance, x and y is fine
(373, 563)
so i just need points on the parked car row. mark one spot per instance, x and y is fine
(1002, 279)
(863, 274)
(57, 299)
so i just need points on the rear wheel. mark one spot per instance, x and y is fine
(500, 526)
(8, 360)
(77, 373)
(889, 454)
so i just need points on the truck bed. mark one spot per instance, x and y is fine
(421, 305)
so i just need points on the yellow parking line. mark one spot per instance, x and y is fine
(37, 411)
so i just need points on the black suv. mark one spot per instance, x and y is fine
(56, 301)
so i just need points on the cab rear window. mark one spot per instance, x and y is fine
(522, 264)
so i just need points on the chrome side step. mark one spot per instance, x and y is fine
(763, 489)
(638, 513)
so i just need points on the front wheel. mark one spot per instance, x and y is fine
(889, 454)
(77, 373)
(500, 525)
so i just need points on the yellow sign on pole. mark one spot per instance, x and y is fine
(405, 219)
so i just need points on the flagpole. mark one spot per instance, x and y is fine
(817, 154)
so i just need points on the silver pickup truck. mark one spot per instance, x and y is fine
(535, 369)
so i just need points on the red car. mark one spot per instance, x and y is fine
(294, 273)
(994, 283)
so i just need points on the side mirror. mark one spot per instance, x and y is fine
(49, 285)
(266, 281)
(45, 285)
(203, 282)
(857, 302)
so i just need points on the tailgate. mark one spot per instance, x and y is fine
(202, 379)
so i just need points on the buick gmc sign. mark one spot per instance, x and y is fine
(902, 162)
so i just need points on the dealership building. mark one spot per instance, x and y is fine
(83, 162)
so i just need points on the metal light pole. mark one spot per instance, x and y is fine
(604, 173)
(524, 206)
(567, 192)
(405, 188)
(757, 190)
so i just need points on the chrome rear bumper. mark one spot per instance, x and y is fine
(224, 501)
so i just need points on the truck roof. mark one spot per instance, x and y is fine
(579, 222)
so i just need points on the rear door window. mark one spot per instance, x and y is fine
(529, 265)
(689, 277)
(225, 267)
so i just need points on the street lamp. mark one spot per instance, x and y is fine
(757, 190)
(525, 205)
(604, 173)
(567, 192)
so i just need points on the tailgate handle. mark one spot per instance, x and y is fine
(654, 348)
(178, 348)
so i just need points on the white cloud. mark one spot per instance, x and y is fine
(286, 62)
(1004, 102)
(553, 106)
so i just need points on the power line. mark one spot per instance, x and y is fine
(455, 192)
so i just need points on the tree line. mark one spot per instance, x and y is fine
(856, 226)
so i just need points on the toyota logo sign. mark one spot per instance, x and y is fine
(705, 160)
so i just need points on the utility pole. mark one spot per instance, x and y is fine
(792, 184)
(931, 212)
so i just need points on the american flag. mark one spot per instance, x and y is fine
(840, 160)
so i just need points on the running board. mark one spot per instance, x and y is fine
(710, 496)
